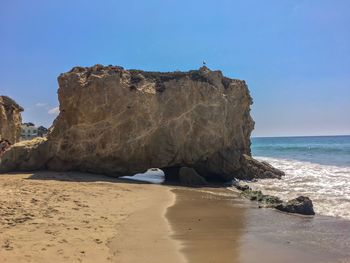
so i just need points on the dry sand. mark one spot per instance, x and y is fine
(75, 217)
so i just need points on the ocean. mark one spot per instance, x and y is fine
(317, 167)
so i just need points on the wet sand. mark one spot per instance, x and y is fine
(146, 234)
(216, 225)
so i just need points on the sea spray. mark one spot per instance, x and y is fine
(328, 186)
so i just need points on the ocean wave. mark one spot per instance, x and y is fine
(153, 176)
(324, 149)
(327, 185)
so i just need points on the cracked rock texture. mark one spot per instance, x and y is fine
(10, 120)
(121, 122)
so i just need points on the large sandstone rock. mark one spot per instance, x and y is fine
(121, 122)
(10, 120)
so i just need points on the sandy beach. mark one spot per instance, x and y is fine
(77, 217)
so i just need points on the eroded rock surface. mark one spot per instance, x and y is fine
(254, 169)
(300, 205)
(10, 120)
(121, 122)
(26, 156)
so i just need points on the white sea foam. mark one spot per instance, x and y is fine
(328, 186)
(154, 176)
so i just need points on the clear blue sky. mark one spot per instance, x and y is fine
(294, 54)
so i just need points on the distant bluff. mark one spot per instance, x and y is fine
(121, 122)
(10, 119)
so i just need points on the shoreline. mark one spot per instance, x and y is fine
(217, 225)
(79, 217)
(146, 235)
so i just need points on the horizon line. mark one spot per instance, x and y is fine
(292, 136)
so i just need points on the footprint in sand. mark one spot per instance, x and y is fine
(98, 241)
(34, 201)
(7, 245)
(63, 241)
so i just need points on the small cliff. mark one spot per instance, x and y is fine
(10, 120)
(121, 122)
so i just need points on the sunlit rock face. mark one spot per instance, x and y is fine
(121, 122)
(10, 120)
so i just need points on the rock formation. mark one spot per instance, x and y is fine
(300, 205)
(267, 201)
(252, 168)
(121, 122)
(10, 120)
(25, 156)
